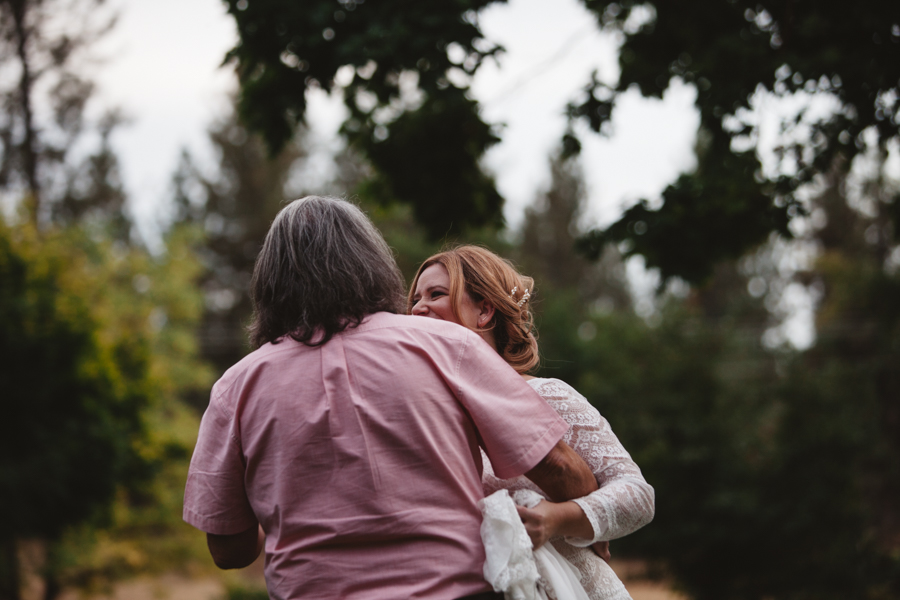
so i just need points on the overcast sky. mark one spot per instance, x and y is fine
(166, 75)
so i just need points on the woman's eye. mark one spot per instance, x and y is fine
(436, 295)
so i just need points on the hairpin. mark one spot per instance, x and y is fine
(523, 300)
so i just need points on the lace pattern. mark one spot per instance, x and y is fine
(598, 579)
(623, 503)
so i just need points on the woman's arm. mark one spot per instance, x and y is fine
(624, 501)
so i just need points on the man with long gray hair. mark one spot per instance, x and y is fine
(350, 436)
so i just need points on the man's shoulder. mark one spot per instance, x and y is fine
(270, 351)
(387, 324)
(267, 353)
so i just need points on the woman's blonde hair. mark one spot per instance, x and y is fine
(485, 276)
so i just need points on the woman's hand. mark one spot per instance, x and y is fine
(601, 549)
(553, 519)
(540, 522)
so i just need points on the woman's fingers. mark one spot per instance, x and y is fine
(537, 523)
(602, 550)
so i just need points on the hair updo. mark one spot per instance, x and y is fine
(485, 276)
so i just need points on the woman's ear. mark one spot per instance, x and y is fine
(485, 313)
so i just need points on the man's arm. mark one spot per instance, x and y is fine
(236, 551)
(563, 475)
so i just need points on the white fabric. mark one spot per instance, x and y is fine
(623, 503)
(511, 566)
(560, 580)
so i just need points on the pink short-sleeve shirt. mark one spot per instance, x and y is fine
(360, 457)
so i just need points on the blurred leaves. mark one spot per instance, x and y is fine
(712, 215)
(731, 51)
(97, 335)
(403, 70)
(84, 356)
(445, 184)
(98, 435)
(776, 471)
(73, 399)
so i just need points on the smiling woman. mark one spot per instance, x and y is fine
(432, 299)
(475, 288)
(484, 293)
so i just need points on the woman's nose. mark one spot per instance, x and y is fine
(419, 308)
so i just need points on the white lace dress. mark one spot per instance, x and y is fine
(623, 503)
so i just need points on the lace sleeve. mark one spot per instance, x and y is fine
(625, 501)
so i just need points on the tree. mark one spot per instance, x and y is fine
(547, 246)
(94, 192)
(409, 114)
(752, 449)
(856, 355)
(97, 335)
(405, 71)
(42, 50)
(73, 398)
(732, 51)
(153, 300)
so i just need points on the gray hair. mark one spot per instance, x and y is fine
(322, 268)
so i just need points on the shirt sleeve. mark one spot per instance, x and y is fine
(215, 500)
(624, 502)
(517, 427)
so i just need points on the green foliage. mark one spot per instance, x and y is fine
(285, 47)
(73, 397)
(145, 532)
(244, 593)
(99, 345)
(775, 470)
(136, 295)
(445, 185)
(767, 486)
(712, 215)
(97, 336)
(428, 149)
(731, 50)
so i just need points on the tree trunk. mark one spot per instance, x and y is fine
(28, 150)
(9, 571)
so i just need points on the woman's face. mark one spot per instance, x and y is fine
(432, 299)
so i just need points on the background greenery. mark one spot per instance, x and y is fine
(777, 470)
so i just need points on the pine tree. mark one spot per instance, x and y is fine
(550, 229)
(234, 206)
